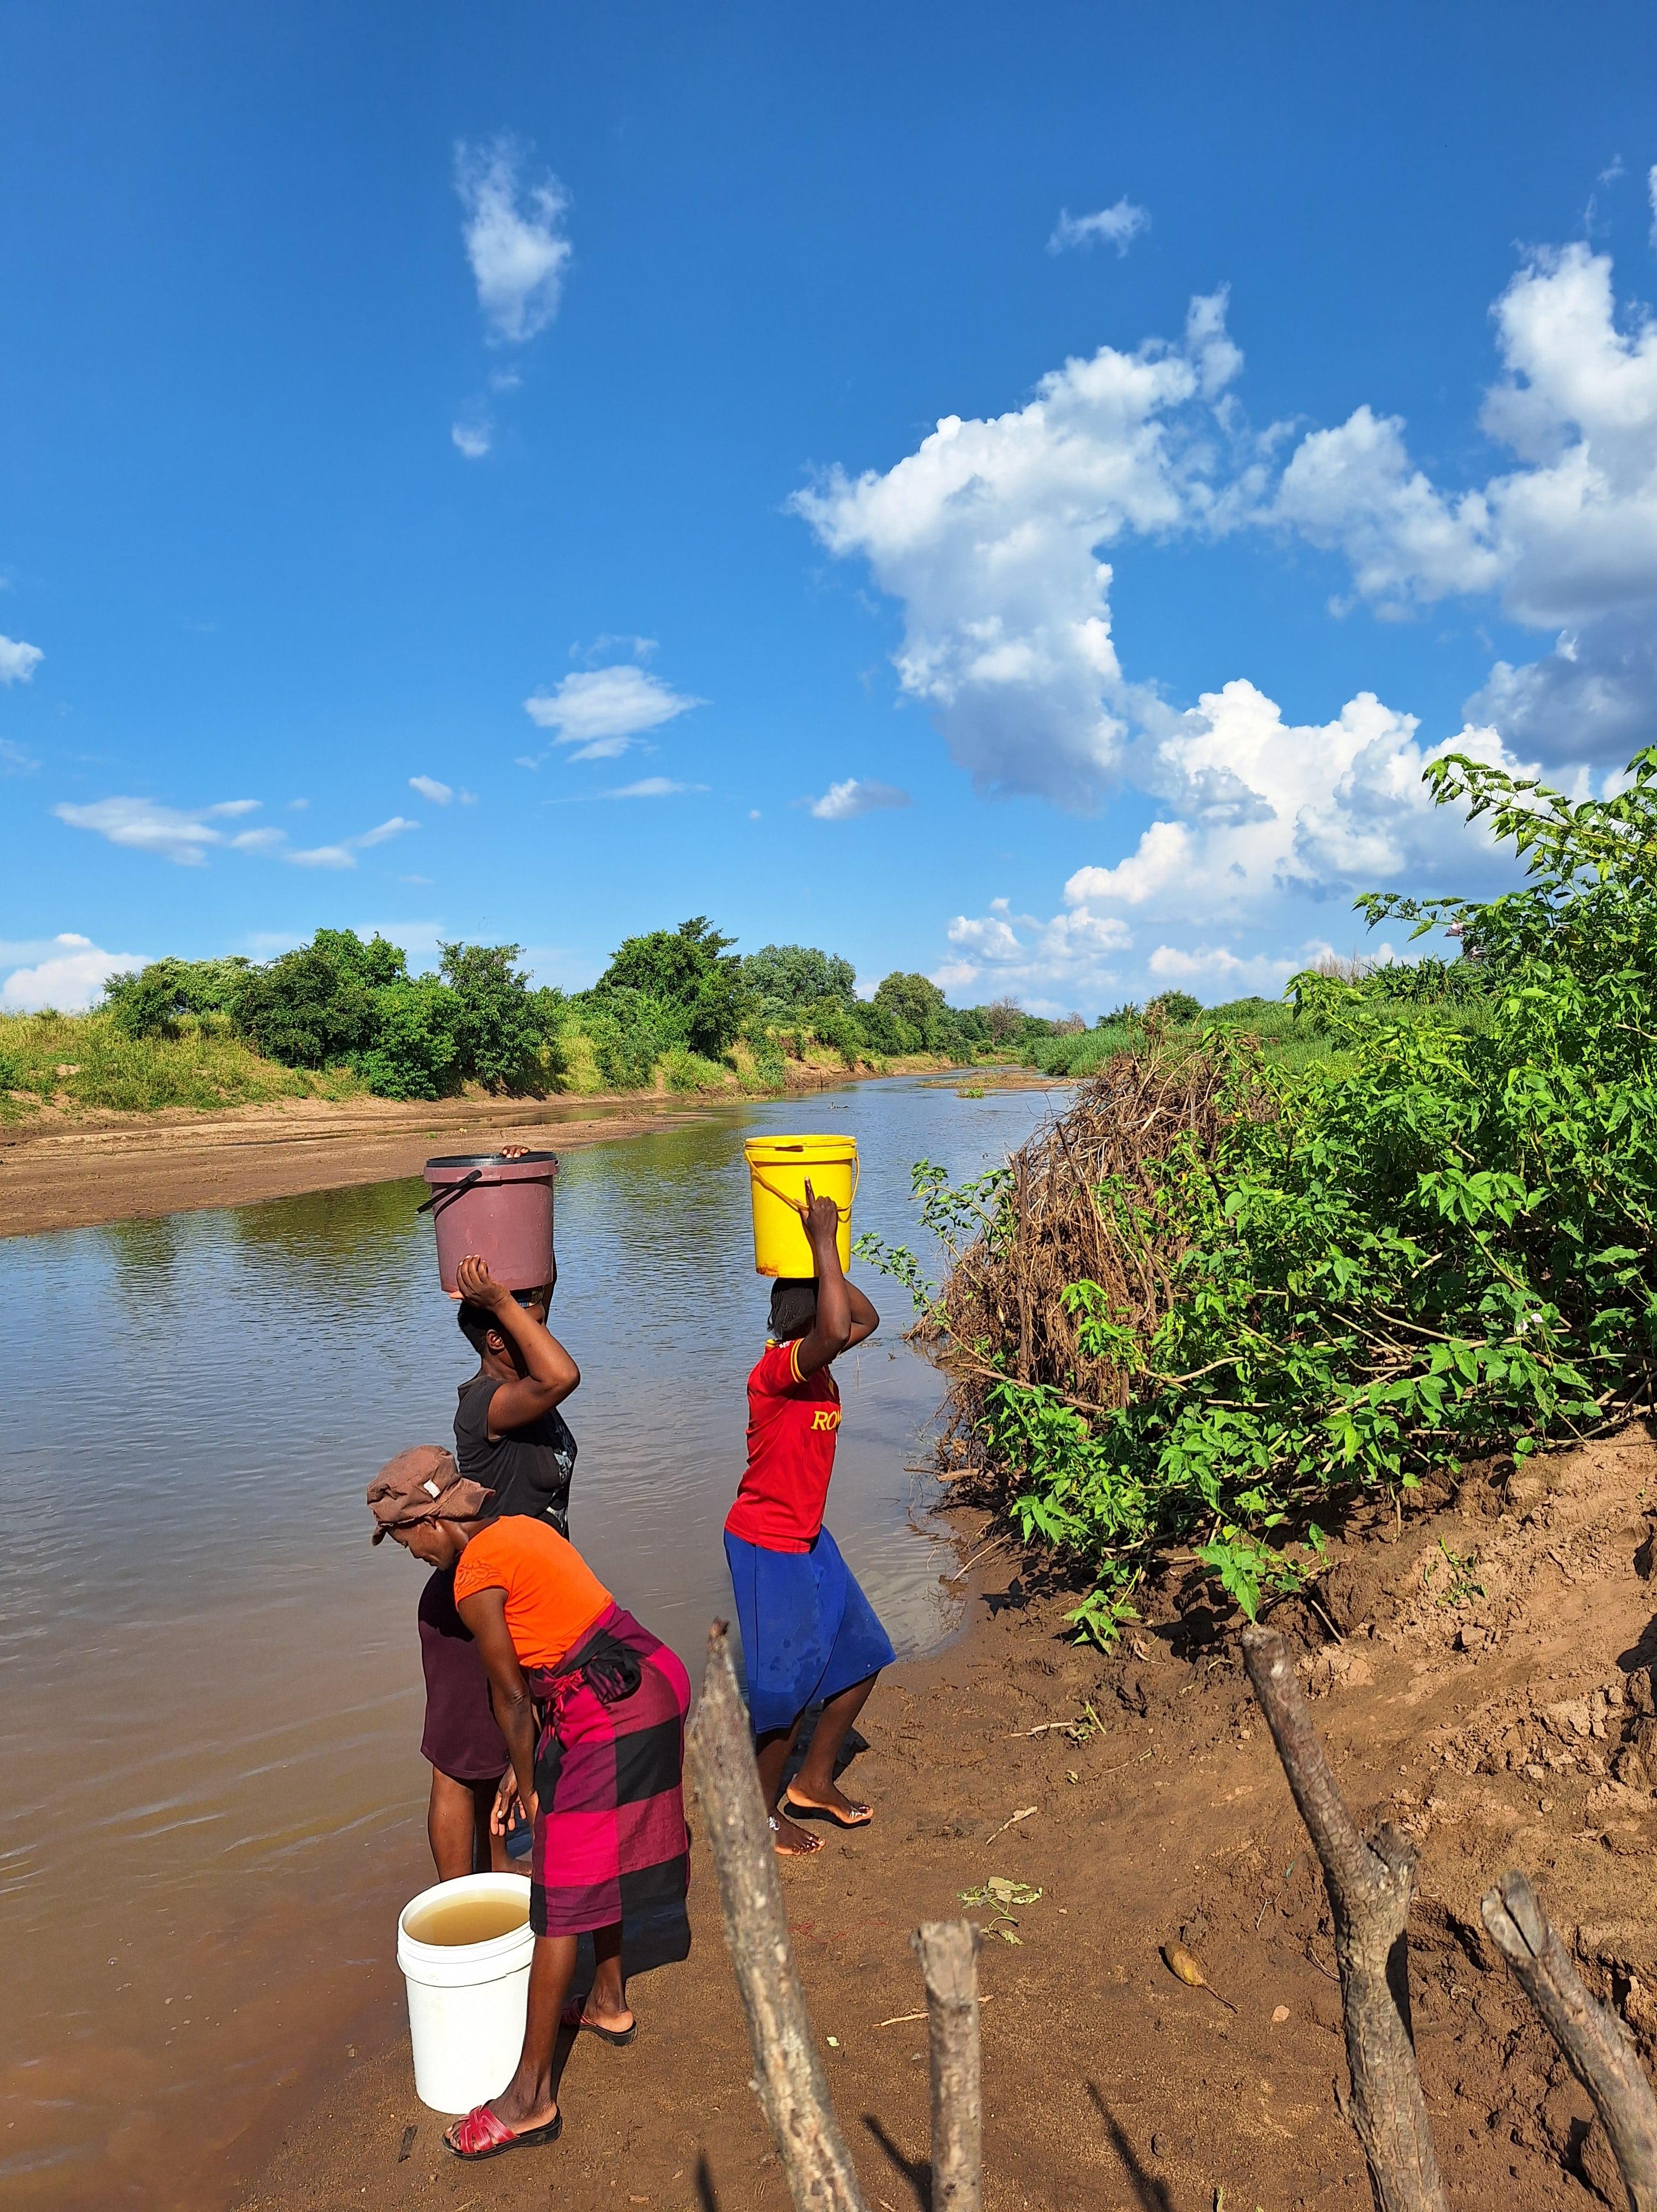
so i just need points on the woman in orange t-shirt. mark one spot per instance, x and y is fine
(592, 1707)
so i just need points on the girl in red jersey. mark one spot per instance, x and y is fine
(809, 1632)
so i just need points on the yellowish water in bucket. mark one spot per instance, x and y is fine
(779, 1168)
(473, 1920)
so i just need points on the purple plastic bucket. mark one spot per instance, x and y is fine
(500, 1209)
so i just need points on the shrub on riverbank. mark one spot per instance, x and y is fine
(1220, 1294)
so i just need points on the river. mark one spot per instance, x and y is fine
(211, 1798)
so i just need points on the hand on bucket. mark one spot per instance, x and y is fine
(822, 1219)
(478, 1287)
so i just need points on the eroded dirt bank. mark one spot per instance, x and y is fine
(1489, 1689)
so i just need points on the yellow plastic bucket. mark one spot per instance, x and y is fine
(778, 1170)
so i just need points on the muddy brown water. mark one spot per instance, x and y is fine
(211, 1798)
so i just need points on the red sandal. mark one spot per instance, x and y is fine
(480, 2134)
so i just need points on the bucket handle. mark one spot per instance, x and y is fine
(439, 1198)
(857, 1177)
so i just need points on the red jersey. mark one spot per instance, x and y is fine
(792, 1419)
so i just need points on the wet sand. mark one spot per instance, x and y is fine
(1106, 2082)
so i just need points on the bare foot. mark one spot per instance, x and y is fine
(792, 1841)
(845, 1812)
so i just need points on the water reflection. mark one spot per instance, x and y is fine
(210, 1795)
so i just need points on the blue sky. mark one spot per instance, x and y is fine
(1016, 493)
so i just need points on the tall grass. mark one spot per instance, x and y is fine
(84, 1060)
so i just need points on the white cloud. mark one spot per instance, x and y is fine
(69, 976)
(343, 854)
(844, 802)
(1001, 952)
(1651, 194)
(1117, 226)
(601, 711)
(514, 240)
(1255, 973)
(14, 761)
(474, 437)
(428, 788)
(1565, 539)
(18, 661)
(652, 786)
(988, 536)
(184, 836)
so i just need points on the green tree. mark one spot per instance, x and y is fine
(918, 1004)
(145, 1002)
(691, 974)
(315, 1007)
(502, 1024)
(1178, 1007)
(786, 978)
(417, 1026)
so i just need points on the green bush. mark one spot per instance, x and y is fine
(502, 1022)
(1178, 1007)
(418, 1028)
(690, 976)
(785, 979)
(314, 1007)
(630, 1030)
(1438, 1243)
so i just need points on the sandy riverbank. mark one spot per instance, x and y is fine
(60, 1172)
(1107, 2082)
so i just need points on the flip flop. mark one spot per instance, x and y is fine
(794, 1850)
(571, 2018)
(482, 2135)
(865, 1813)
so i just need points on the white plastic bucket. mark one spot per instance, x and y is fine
(467, 2001)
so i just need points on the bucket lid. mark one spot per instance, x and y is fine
(528, 1163)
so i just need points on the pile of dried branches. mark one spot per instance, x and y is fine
(1087, 1199)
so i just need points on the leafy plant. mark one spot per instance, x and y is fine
(1436, 1240)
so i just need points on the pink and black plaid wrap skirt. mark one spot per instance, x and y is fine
(610, 1841)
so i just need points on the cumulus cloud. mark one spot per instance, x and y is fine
(18, 661)
(67, 972)
(474, 436)
(428, 788)
(514, 240)
(183, 836)
(601, 711)
(1566, 539)
(988, 536)
(1002, 952)
(844, 802)
(1117, 226)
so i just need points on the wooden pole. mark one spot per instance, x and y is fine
(1595, 2041)
(949, 1952)
(1370, 1886)
(789, 2077)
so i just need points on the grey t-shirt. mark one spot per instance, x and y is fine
(529, 1470)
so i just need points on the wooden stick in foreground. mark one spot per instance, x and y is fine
(949, 1952)
(1370, 1887)
(1595, 2041)
(789, 2078)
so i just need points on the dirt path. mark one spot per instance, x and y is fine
(1107, 2082)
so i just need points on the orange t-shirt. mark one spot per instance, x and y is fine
(552, 1596)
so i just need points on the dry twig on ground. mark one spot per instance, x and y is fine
(1594, 2040)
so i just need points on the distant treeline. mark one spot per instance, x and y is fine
(678, 1004)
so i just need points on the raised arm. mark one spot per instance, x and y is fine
(552, 1374)
(845, 1316)
(484, 1614)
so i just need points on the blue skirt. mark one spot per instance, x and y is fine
(809, 1632)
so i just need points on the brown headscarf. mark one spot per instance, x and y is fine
(423, 1484)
